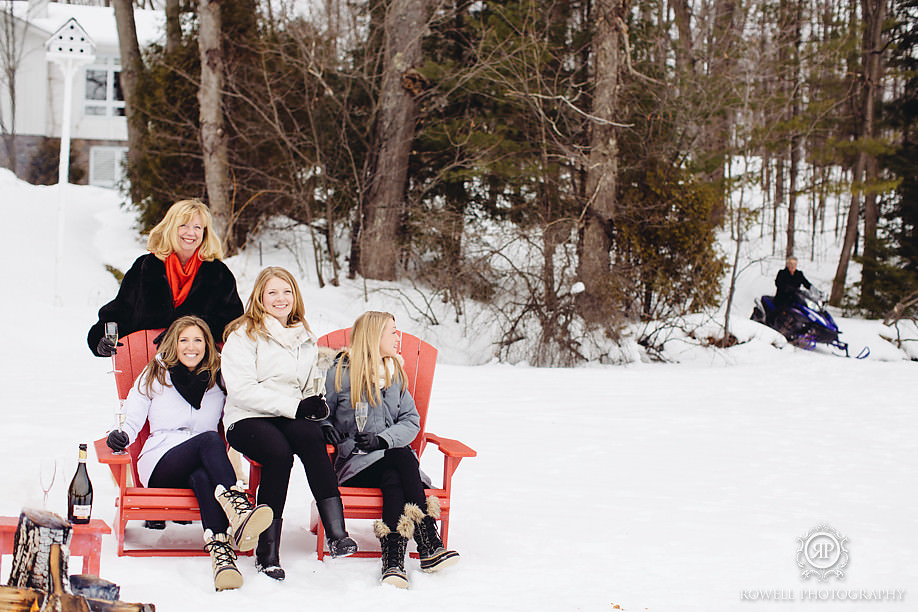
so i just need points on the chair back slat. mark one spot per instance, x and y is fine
(132, 358)
(130, 361)
(420, 363)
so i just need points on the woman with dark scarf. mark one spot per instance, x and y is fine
(181, 395)
(181, 275)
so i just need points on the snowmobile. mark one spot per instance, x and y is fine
(805, 322)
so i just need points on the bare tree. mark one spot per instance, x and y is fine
(868, 77)
(131, 66)
(213, 135)
(384, 205)
(11, 49)
(602, 168)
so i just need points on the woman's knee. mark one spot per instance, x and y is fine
(211, 439)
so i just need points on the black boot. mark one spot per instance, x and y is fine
(331, 511)
(394, 545)
(431, 552)
(267, 553)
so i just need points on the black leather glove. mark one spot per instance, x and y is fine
(117, 440)
(106, 348)
(331, 435)
(366, 441)
(313, 408)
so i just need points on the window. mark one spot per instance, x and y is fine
(106, 165)
(103, 97)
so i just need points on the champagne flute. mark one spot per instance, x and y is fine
(46, 474)
(361, 412)
(318, 382)
(111, 333)
(120, 417)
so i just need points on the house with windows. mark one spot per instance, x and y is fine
(98, 125)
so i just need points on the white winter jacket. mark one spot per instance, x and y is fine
(172, 420)
(268, 376)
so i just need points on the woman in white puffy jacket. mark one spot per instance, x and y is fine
(273, 407)
(179, 394)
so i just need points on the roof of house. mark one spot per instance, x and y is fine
(98, 21)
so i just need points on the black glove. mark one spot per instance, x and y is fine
(313, 408)
(331, 434)
(367, 441)
(106, 348)
(117, 440)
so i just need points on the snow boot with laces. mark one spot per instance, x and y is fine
(223, 560)
(432, 554)
(394, 545)
(246, 520)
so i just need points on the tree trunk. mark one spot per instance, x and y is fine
(874, 14)
(854, 209)
(602, 173)
(173, 26)
(213, 136)
(394, 131)
(131, 66)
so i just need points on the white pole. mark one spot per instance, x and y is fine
(63, 171)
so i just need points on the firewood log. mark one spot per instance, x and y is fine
(59, 601)
(35, 534)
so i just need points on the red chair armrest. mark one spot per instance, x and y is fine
(450, 447)
(105, 455)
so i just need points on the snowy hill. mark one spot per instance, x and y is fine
(662, 487)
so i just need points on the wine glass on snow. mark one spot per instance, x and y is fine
(361, 411)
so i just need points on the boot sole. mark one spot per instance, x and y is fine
(259, 520)
(447, 559)
(227, 578)
(396, 580)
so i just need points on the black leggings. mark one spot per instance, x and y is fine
(272, 442)
(200, 464)
(398, 475)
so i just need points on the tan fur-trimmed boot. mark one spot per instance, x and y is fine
(433, 555)
(394, 545)
(247, 521)
(223, 560)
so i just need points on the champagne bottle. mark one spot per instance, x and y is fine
(79, 495)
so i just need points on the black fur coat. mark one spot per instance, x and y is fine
(144, 300)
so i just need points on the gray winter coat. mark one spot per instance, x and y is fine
(396, 421)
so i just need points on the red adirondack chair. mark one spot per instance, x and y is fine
(366, 503)
(136, 502)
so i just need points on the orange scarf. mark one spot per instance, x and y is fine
(180, 278)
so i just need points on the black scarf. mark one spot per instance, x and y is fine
(190, 386)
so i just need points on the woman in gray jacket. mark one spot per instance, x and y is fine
(377, 453)
(273, 406)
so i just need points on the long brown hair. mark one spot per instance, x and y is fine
(255, 312)
(365, 361)
(167, 355)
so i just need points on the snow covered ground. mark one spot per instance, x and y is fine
(676, 487)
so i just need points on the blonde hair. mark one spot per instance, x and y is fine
(365, 361)
(255, 312)
(163, 240)
(167, 355)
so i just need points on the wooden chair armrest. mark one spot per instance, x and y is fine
(105, 455)
(450, 447)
